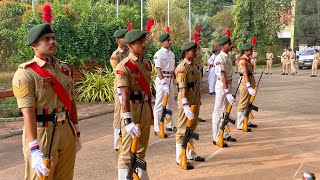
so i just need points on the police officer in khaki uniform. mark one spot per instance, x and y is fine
(269, 57)
(316, 60)
(292, 62)
(247, 85)
(254, 60)
(136, 106)
(118, 55)
(224, 72)
(164, 60)
(188, 76)
(42, 107)
(285, 62)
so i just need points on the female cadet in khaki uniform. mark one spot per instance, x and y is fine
(247, 84)
(187, 77)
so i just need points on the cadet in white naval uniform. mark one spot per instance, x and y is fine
(212, 75)
(164, 60)
(224, 71)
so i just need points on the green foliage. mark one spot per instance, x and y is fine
(220, 25)
(96, 86)
(307, 22)
(206, 7)
(206, 28)
(8, 108)
(26, 53)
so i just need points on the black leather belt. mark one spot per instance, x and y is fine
(249, 74)
(49, 117)
(190, 85)
(167, 72)
(136, 95)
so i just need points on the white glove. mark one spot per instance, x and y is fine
(186, 109)
(79, 143)
(131, 128)
(37, 159)
(229, 97)
(165, 86)
(251, 91)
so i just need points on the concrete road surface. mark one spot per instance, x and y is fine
(285, 144)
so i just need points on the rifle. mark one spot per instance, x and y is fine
(47, 158)
(227, 119)
(189, 134)
(165, 111)
(248, 114)
(120, 142)
(136, 162)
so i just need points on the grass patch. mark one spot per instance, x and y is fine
(6, 79)
(8, 108)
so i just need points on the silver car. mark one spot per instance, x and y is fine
(306, 59)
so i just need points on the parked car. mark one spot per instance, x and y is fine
(306, 59)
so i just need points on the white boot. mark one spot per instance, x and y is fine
(143, 175)
(240, 117)
(122, 174)
(191, 154)
(116, 138)
(178, 152)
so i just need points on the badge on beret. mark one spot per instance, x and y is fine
(21, 91)
(120, 72)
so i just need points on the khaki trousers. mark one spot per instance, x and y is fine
(285, 66)
(314, 68)
(244, 94)
(116, 120)
(269, 66)
(292, 63)
(63, 152)
(254, 62)
(145, 123)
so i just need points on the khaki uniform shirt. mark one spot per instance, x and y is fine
(33, 91)
(117, 56)
(316, 57)
(187, 77)
(246, 66)
(291, 55)
(269, 56)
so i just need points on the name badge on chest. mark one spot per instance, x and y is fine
(46, 83)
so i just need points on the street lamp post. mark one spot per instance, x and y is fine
(141, 15)
(189, 20)
(168, 13)
(117, 9)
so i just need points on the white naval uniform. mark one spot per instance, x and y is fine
(164, 59)
(222, 63)
(212, 75)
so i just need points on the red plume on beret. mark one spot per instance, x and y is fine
(149, 24)
(198, 29)
(129, 27)
(254, 41)
(47, 13)
(217, 46)
(228, 32)
(168, 29)
(195, 37)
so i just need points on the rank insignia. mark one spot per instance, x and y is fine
(181, 75)
(113, 62)
(21, 91)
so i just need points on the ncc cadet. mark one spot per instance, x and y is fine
(199, 65)
(254, 60)
(44, 90)
(224, 71)
(247, 85)
(117, 56)
(292, 62)
(269, 57)
(212, 75)
(187, 78)
(164, 60)
(133, 79)
(316, 60)
(285, 62)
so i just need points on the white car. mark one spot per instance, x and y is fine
(306, 59)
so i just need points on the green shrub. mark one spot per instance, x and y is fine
(96, 86)
(8, 108)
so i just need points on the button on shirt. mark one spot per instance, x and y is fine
(164, 59)
(223, 63)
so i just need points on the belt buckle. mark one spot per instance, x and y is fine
(60, 116)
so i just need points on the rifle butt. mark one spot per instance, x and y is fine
(183, 160)
(135, 176)
(245, 125)
(229, 108)
(227, 128)
(120, 145)
(161, 131)
(220, 140)
(134, 144)
(190, 146)
(165, 100)
(166, 120)
(251, 115)
(47, 163)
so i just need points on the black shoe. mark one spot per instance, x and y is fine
(312, 76)
(249, 130)
(211, 93)
(201, 120)
(231, 139)
(296, 72)
(116, 150)
(292, 73)
(224, 144)
(189, 166)
(252, 125)
(172, 129)
(267, 73)
(198, 159)
(286, 73)
(156, 134)
(283, 73)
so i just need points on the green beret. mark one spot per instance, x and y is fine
(214, 50)
(163, 37)
(188, 45)
(224, 40)
(120, 33)
(134, 35)
(37, 31)
(246, 46)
